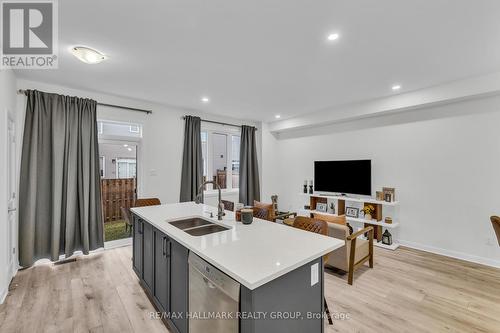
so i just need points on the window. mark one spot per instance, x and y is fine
(204, 152)
(125, 168)
(221, 157)
(102, 165)
(114, 129)
(235, 160)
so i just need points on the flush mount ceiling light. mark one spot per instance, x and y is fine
(333, 36)
(277, 116)
(88, 55)
(396, 87)
(205, 99)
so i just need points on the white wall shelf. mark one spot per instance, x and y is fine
(350, 199)
(353, 219)
(383, 209)
(392, 247)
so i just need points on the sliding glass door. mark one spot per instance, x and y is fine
(118, 151)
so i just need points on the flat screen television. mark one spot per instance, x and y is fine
(344, 177)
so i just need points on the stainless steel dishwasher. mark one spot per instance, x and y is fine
(214, 299)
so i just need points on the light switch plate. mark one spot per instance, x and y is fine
(314, 274)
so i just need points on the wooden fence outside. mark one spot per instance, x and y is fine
(116, 193)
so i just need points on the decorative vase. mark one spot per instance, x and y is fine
(368, 216)
(305, 188)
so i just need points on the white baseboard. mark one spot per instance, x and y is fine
(452, 254)
(107, 246)
(11, 272)
(3, 295)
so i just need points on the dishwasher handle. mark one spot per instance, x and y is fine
(209, 283)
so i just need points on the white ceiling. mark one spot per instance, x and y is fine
(258, 58)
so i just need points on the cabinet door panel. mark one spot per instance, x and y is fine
(162, 270)
(179, 284)
(137, 245)
(148, 258)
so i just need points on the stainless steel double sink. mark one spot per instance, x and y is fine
(197, 226)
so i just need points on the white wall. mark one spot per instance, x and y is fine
(443, 161)
(161, 148)
(7, 102)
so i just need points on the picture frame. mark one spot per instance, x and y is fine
(321, 207)
(352, 212)
(389, 194)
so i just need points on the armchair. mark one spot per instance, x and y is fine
(355, 252)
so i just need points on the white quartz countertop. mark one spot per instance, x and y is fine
(251, 254)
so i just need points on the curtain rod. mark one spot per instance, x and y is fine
(23, 92)
(220, 123)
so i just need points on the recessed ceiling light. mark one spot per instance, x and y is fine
(205, 99)
(88, 55)
(333, 36)
(396, 87)
(277, 116)
(129, 149)
(125, 145)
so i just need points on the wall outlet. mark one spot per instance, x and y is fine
(153, 172)
(314, 274)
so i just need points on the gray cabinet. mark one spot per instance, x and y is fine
(137, 247)
(162, 267)
(179, 278)
(148, 256)
(162, 270)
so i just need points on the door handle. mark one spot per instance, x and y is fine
(163, 246)
(167, 247)
(11, 210)
(208, 283)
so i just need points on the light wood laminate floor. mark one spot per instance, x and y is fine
(407, 291)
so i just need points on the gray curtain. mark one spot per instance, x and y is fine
(192, 165)
(249, 168)
(60, 196)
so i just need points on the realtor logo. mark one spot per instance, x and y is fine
(29, 34)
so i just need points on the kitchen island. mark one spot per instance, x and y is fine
(262, 277)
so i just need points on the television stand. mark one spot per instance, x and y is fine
(382, 208)
(335, 195)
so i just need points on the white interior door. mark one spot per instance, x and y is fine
(11, 196)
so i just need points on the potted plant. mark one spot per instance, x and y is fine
(368, 210)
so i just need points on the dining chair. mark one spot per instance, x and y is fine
(319, 227)
(147, 202)
(228, 205)
(262, 210)
(128, 219)
(138, 203)
(495, 221)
